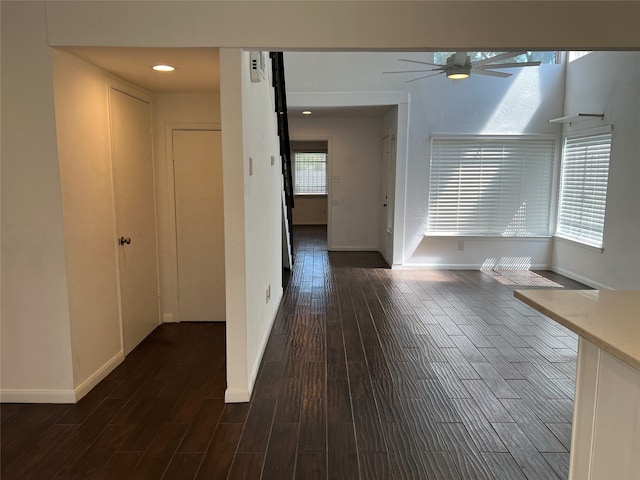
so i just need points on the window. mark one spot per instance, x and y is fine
(490, 185)
(583, 194)
(576, 55)
(310, 173)
(544, 57)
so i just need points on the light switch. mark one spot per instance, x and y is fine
(250, 166)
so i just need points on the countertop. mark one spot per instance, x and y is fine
(610, 319)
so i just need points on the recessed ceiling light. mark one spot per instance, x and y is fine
(307, 112)
(163, 68)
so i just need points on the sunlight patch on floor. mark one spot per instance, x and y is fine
(521, 277)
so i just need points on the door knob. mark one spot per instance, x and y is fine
(124, 241)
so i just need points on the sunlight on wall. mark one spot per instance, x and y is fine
(519, 103)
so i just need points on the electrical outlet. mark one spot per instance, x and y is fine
(461, 245)
(268, 293)
(273, 160)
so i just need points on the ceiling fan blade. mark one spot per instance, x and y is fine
(460, 59)
(489, 73)
(512, 65)
(497, 58)
(418, 61)
(415, 71)
(426, 76)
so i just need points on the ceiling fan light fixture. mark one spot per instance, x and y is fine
(458, 73)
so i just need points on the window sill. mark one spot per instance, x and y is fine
(576, 243)
(309, 195)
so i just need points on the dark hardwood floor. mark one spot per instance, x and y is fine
(369, 373)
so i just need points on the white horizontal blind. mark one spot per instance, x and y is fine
(310, 173)
(583, 195)
(490, 185)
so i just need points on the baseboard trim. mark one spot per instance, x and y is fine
(342, 248)
(99, 375)
(263, 344)
(168, 318)
(237, 395)
(581, 279)
(37, 396)
(456, 266)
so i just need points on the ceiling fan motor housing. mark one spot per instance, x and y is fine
(456, 71)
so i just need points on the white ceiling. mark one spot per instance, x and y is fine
(369, 111)
(197, 69)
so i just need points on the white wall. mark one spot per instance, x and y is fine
(609, 83)
(82, 119)
(253, 209)
(177, 110)
(310, 210)
(36, 338)
(263, 210)
(355, 156)
(522, 103)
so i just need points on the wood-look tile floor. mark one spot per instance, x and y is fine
(369, 373)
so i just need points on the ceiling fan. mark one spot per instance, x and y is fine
(459, 66)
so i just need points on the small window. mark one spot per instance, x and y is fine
(490, 186)
(310, 173)
(583, 194)
(544, 57)
(576, 55)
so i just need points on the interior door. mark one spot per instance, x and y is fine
(197, 165)
(135, 216)
(387, 198)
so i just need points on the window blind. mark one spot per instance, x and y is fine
(310, 172)
(490, 186)
(583, 194)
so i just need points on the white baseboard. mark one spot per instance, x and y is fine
(237, 395)
(61, 396)
(581, 279)
(99, 375)
(343, 248)
(456, 266)
(263, 344)
(37, 396)
(168, 318)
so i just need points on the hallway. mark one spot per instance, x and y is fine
(369, 373)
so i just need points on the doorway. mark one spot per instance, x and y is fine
(199, 224)
(310, 165)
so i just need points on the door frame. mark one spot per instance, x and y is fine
(388, 213)
(144, 96)
(321, 138)
(174, 315)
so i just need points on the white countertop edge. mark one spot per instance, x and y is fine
(631, 359)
